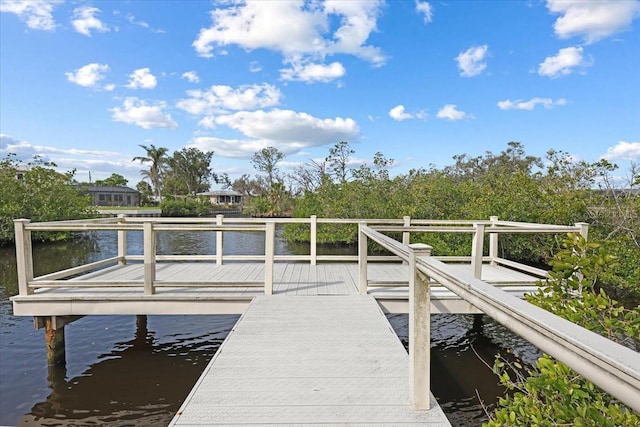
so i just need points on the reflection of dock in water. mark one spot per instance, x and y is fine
(138, 380)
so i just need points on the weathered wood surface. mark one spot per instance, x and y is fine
(300, 360)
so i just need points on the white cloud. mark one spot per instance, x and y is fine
(624, 151)
(311, 73)
(85, 20)
(137, 112)
(9, 144)
(472, 61)
(255, 67)
(398, 113)
(564, 63)
(451, 112)
(132, 19)
(88, 75)
(321, 28)
(142, 79)
(290, 126)
(100, 164)
(519, 104)
(424, 8)
(191, 76)
(37, 14)
(221, 98)
(593, 19)
(287, 130)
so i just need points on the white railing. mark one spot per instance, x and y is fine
(611, 366)
(27, 283)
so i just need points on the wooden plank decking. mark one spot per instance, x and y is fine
(316, 352)
(207, 288)
(300, 360)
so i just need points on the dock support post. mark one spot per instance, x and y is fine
(54, 340)
(313, 239)
(362, 259)
(24, 256)
(419, 331)
(493, 241)
(477, 249)
(122, 242)
(219, 237)
(269, 256)
(149, 258)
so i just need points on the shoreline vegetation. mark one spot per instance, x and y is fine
(511, 185)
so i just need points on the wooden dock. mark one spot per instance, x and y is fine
(308, 360)
(313, 345)
(207, 288)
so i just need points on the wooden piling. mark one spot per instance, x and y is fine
(54, 339)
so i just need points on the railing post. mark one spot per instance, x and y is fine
(362, 259)
(584, 229)
(122, 242)
(24, 256)
(219, 237)
(149, 236)
(477, 249)
(406, 235)
(313, 239)
(419, 331)
(493, 241)
(269, 255)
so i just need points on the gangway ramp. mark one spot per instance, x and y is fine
(308, 360)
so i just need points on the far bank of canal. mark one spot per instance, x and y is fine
(123, 370)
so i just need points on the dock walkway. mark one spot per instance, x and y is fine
(308, 360)
(313, 345)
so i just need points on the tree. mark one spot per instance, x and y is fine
(146, 192)
(36, 191)
(338, 160)
(157, 159)
(272, 197)
(309, 177)
(266, 161)
(114, 180)
(189, 172)
(551, 393)
(246, 186)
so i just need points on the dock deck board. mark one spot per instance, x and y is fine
(308, 360)
(202, 287)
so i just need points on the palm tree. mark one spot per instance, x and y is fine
(157, 157)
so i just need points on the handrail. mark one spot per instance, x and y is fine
(611, 366)
(123, 224)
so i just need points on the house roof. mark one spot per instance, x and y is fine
(110, 189)
(220, 193)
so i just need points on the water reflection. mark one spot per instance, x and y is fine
(141, 381)
(463, 347)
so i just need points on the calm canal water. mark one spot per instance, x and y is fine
(136, 371)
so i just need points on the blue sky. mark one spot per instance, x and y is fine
(83, 84)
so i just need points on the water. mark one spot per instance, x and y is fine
(128, 370)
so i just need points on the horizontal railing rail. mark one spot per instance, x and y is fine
(611, 366)
(220, 225)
